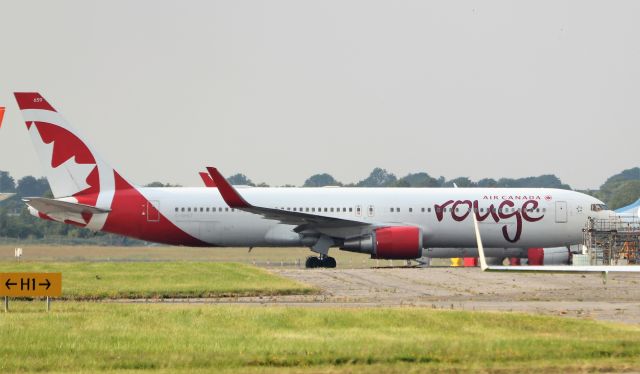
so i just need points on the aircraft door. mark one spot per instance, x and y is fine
(153, 214)
(561, 211)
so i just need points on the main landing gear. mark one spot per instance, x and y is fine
(320, 262)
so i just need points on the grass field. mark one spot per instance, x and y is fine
(100, 280)
(264, 257)
(108, 337)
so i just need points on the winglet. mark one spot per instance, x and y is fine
(229, 194)
(1, 115)
(208, 181)
(483, 260)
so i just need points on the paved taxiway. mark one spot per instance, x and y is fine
(573, 295)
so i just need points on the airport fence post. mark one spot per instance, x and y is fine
(6, 304)
(48, 304)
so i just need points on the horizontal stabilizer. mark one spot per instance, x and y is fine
(52, 206)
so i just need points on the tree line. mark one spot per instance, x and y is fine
(17, 224)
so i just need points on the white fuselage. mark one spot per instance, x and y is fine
(552, 218)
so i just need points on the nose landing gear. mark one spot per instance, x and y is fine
(320, 262)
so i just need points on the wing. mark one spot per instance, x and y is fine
(547, 269)
(303, 220)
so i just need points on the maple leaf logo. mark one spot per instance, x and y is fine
(68, 178)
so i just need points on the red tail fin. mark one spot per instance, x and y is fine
(1, 115)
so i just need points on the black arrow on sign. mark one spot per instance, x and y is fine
(9, 283)
(48, 284)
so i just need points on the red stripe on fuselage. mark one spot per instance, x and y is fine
(128, 218)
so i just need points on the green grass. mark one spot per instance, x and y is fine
(100, 280)
(265, 257)
(94, 337)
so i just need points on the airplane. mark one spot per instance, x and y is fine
(5, 195)
(385, 223)
(632, 210)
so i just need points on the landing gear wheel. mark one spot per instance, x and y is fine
(312, 262)
(329, 262)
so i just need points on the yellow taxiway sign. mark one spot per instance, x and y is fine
(31, 284)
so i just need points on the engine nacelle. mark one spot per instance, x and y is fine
(389, 243)
(548, 256)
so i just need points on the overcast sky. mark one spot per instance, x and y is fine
(280, 90)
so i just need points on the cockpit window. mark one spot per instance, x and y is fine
(598, 207)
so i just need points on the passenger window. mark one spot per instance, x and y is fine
(207, 209)
(294, 209)
(422, 210)
(176, 209)
(201, 210)
(350, 209)
(344, 210)
(226, 209)
(331, 210)
(189, 209)
(398, 209)
(429, 210)
(313, 209)
(410, 210)
(182, 209)
(325, 209)
(306, 209)
(391, 210)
